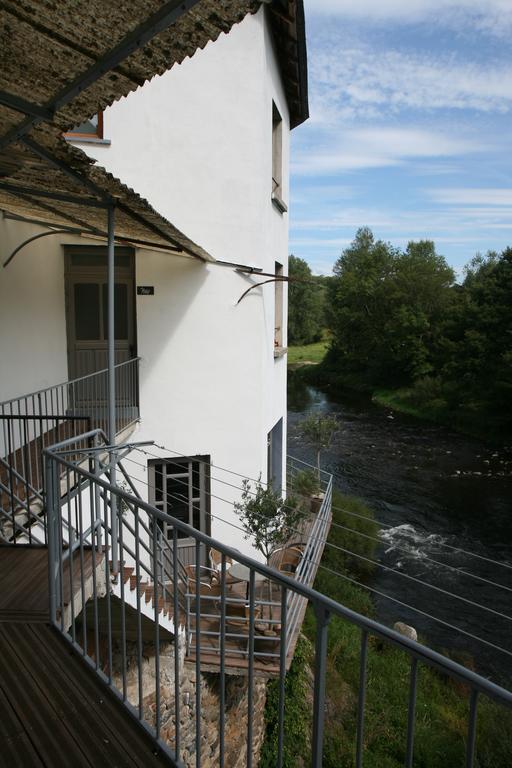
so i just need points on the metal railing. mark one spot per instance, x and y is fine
(317, 532)
(307, 541)
(106, 649)
(30, 423)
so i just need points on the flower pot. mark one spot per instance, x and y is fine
(316, 502)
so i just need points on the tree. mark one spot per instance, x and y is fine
(384, 308)
(267, 518)
(305, 304)
(319, 430)
(358, 306)
(477, 363)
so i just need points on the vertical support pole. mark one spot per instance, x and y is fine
(322, 626)
(362, 699)
(411, 715)
(97, 519)
(471, 743)
(111, 363)
(52, 522)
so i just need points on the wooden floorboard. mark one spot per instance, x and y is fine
(55, 712)
(24, 581)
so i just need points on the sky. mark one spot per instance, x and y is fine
(410, 129)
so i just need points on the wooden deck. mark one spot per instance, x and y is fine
(267, 635)
(54, 710)
(24, 582)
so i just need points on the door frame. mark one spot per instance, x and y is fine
(187, 545)
(98, 272)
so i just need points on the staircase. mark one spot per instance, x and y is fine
(138, 591)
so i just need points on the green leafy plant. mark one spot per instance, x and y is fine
(267, 518)
(305, 483)
(298, 717)
(319, 430)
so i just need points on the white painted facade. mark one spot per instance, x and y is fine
(197, 144)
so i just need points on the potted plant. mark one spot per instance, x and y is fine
(267, 518)
(306, 485)
(319, 431)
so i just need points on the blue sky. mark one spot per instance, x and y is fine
(410, 130)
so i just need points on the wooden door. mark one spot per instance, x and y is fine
(87, 307)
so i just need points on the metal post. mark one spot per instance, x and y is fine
(322, 624)
(51, 482)
(112, 386)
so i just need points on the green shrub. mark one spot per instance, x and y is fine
(442, 705)
(305, 483)
(297, 716)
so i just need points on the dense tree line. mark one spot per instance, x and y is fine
(386, 307)
(399, 319)
(306, 303)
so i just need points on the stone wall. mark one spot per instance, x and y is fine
(236, 689)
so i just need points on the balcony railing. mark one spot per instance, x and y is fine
(86, 505)
(299, 557)
(31, 423)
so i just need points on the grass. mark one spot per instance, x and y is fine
(474, 422)
(309, 353)
(398, 400)
(442, 704)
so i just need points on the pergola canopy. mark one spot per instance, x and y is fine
(62, 62)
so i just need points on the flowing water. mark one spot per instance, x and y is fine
(435, 493)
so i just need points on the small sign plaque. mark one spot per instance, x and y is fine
(145, 290)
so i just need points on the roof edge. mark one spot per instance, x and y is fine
(288, 25)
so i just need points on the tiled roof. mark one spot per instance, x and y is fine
(48, 44)
(61, 62)
(73, 59)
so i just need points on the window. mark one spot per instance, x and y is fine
(277, 160)
(90, 130)
(275, 457)
(278, 307)
(180, 487)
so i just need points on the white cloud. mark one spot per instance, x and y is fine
(491, 16)
(473, 196)
(324, 192)
(450, 224)
(377, 147)
(357, 81)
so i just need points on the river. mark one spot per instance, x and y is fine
(435, 493)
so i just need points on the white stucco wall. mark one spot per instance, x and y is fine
(197, 143)
(33, 347)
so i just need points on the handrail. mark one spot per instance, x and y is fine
(426, 654)
(31, 422)
(69, 382)
(294, 593)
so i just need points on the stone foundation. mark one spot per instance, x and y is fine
(235, 731)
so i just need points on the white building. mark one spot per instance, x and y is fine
(207, 145)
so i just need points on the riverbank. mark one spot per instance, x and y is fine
(308, 354)
(422, 401)
(441, 725)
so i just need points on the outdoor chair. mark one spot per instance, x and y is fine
(216, 566)
(286, 559)
(207, 585)
(238, 624)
